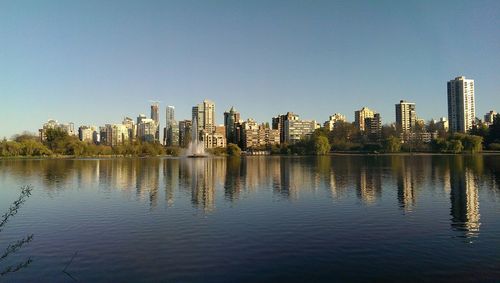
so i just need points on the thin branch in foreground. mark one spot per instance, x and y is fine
(12, 268)
(12, 248)
(25, 193)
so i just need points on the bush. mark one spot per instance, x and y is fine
(494, 146)
(233, 150)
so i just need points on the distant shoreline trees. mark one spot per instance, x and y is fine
(345, 137)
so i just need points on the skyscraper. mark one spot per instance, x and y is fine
(406, 116)
(230, 119)
(171, 136)
(155, 116)
(461, 104)
(170, 117)
(204, 113)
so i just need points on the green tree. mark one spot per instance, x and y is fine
(321, 145)
(473, 143)
(455, 146)
(233, 150)
(392, 144)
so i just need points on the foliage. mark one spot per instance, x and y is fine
(173, 150)
(233, 150)
(216, 151)
(494, 146)
(392, 144)
(494, 131)
(60, 143)
(321, 145)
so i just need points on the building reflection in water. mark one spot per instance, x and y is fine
(362, 177)
(464, 202)
(205, 173)
(171, 175)
(148, 179)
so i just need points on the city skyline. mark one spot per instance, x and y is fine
(261, 57)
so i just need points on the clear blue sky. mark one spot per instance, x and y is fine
(94, 62)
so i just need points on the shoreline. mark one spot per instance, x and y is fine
(62, 157)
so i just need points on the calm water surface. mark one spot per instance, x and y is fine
(256, 219)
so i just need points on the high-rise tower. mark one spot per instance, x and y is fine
(461, 104)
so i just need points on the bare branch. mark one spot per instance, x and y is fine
(25, 193)
(12, 248)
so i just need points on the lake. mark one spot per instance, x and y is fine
(255, 219)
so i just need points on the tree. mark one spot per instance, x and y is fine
(233, 150)
(321, 145)
(55, 139)
(473, 143)
(455, 146)
(392, 144)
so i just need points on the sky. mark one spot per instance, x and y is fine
(95, 62)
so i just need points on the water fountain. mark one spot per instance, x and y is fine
(195, 148)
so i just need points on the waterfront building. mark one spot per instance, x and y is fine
(373, 127)
(361, 115)
(146, 130)
(214, 140)
(406, 116)
(171, 131)
(87, 134)
(118, 134)
(278, 123)
(295, 130)
(231, 118)
(489, 117)
(334, 120)
(204, 113)
(155, 116)
(131, 128)
(53, 124)
(103, 134)
(442, 124)
(461, 104)
(184, 132)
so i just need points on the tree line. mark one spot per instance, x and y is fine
(345, 137)
(59, 143)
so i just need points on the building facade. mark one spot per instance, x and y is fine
(53, 124)
(231, 119)
(461, 104)
(184, 132)
(146, 130)
(334, 120)
(295, 130)
(406, 116)
(489, 117)
(171, 131)
(155, 116)
(361, 115)
(278, 123)
(204, 114)
(373, 127)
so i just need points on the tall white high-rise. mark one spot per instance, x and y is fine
(171, 132)
(170, 116)
(406, 116)
(461, 104)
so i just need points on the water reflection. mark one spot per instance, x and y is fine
(464, 198)
(207, 181)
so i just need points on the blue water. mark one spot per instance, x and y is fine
(255, 219)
